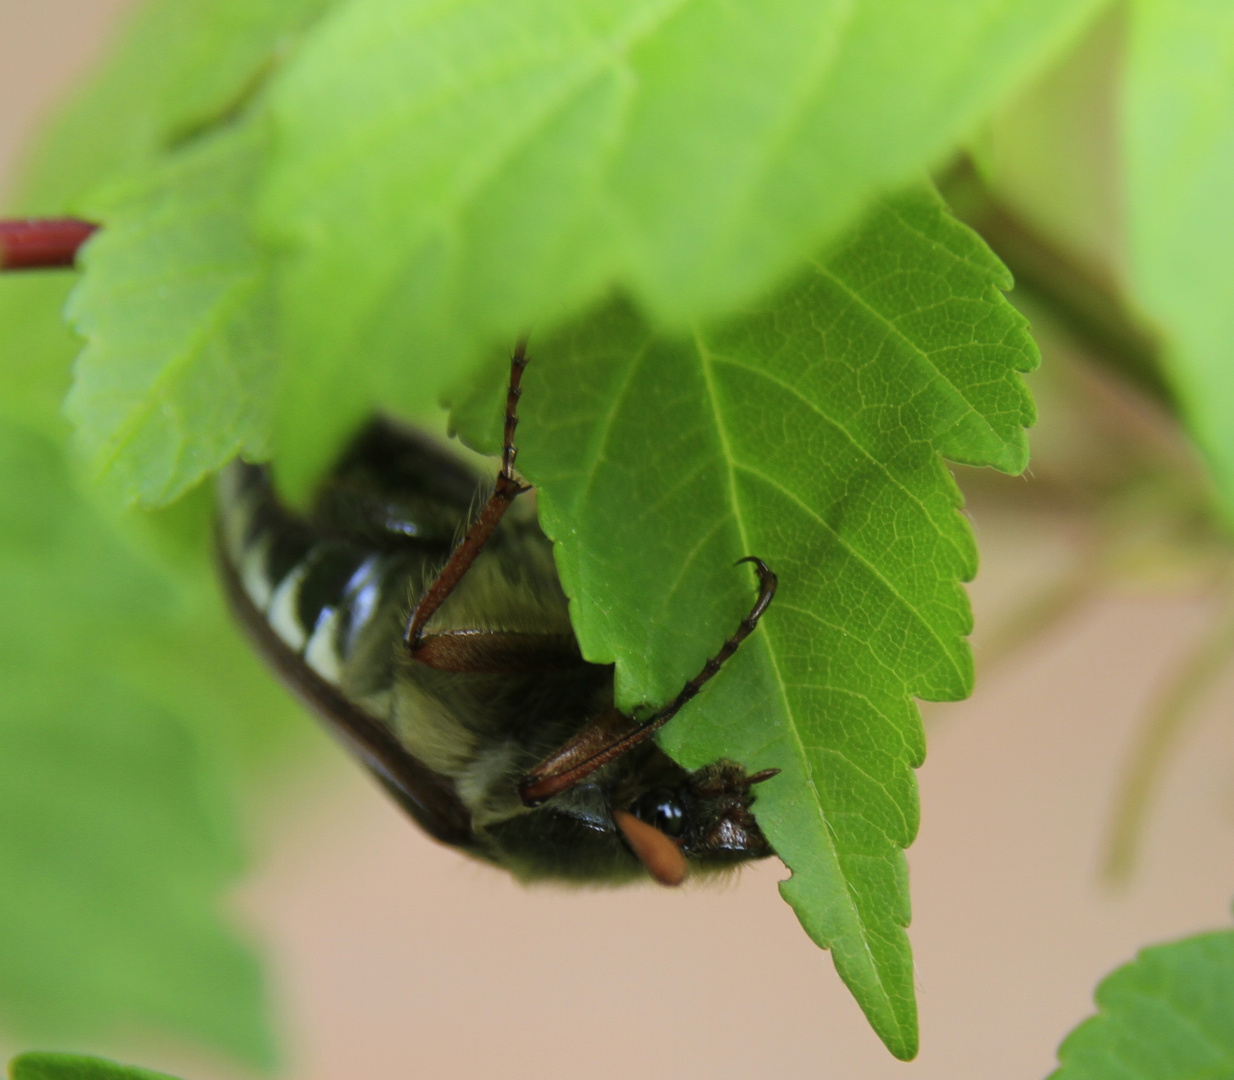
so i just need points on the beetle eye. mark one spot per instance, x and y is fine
(662, 809)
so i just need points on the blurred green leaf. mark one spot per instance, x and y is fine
(1168, 1015)
(444, 177)
(115, 835)
(75, 1067)
(36, 348)
(806, 431)
(178, 68)
(132, 711)
(450, 175)
(1179, 145)
(175, 378)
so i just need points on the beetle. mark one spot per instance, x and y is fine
(436, 642)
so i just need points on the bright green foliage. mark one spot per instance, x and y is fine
(75, 1067)
(1168, 1015)
(179, 68)
(1180, 175)
(327, 213)
(442, 176)
(114, 837)
(36, 349)
(175, 377)
(450, 174)
(807, 431)
(129, 707)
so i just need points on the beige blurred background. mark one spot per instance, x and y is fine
(393, 957)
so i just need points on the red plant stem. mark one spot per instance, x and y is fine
(41, 243)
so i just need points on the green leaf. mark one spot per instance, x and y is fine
(176, 375)
(806, 431)
(1168, 1015)
(446, 176)
(131, 709)
(115, 837)
(178, 68)
(36, 348)
(75, 1067)
(451, 174)
(1179, 145)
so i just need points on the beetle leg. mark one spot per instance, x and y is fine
(604, 740)
(507, 489)
(497, 651)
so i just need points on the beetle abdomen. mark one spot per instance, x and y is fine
(453, 713)
(316, 595)
(326, 597)
(322, 598)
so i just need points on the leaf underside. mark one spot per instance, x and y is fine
(450, 174)
(440, 176)
(807, 431)
(1168, 1015)
(176, 375)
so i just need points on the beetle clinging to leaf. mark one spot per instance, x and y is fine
(438, 644)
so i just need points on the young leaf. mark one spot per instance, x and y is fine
(1168, 1015)
(448, 177)
(114, 843)
(75, 1067)
(1179, 144)
(807, 431)
(177, 70)
(36, 348)
(451, 174)
(175, 378)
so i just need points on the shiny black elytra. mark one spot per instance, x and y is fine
(450, 667)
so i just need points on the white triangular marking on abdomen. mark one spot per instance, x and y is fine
(321, 654)
(282, 615)
(252, 567)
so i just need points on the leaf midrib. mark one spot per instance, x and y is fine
(782, 688)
